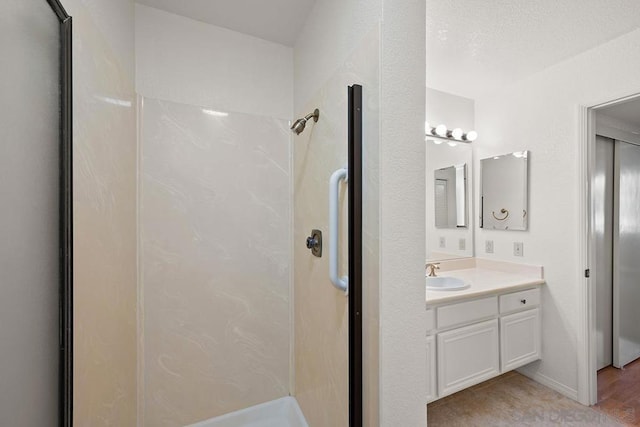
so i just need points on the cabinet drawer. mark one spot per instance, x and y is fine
(431, 320)
(519, 300)
(466, 312)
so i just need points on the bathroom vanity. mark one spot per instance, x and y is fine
(485, 330)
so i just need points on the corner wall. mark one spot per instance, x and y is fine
(540, 114)
(104, 151)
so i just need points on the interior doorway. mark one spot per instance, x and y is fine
(615, 245)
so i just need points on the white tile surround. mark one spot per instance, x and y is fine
(215, 260)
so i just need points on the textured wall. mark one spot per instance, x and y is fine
(104, 213)
(215, 259)
(403, 370)
(540, 114)
(321, 311)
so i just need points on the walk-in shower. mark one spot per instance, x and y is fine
(299, 125)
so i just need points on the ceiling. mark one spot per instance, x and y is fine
(279, 21)
(474, 46)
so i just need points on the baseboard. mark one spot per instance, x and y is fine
(550, 382)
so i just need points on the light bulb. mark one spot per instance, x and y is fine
(472, 135)
(457, 133)
(452, 144)
(437, 141)
(441, 130)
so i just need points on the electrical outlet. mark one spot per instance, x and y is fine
(488, 246)
(443, 242)
(518, 249)
(462, 244)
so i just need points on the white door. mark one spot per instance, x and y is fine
(626, 290)
(29, 219)
(603, 230)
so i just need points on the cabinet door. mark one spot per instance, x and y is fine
(520, 339)
(467, 356)
(431, 369)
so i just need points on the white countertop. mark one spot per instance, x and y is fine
(483, 282)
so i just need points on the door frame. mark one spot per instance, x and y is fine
(65, 413)
(586, 345)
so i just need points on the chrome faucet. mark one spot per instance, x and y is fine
(432, 267)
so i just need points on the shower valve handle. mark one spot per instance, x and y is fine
(314, 242)
(311, 242)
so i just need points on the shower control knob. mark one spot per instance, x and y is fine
(314, 243)
(311, 242)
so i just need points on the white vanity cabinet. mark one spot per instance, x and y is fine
(476, 339)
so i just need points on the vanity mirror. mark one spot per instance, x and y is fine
(449, 229)
(503, 191)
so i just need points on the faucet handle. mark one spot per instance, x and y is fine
(432, 267)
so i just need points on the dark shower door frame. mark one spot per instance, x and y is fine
(65, 415)
(354, 169)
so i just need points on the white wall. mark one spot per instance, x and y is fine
(183, 60)
(541, 114)
(403, 371)
(452, 110)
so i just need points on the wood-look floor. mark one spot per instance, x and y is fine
(512, 400)
(619, 393)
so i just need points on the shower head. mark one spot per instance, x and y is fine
(299, 125)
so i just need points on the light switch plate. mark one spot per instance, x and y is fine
(488, 246)
(518, 249)
(462, 244)
(443, 242)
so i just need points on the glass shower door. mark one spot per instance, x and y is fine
(30, 212)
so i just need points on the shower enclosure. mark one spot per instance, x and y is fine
(35, 214)
(215, 209)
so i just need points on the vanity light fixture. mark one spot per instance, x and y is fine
(441, 131)
(471, 136)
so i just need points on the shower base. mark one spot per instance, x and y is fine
(283, 412)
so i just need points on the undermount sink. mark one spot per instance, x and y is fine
(445, 284)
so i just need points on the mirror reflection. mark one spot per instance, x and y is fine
(450, 196)
(449, 227)
(503, 192)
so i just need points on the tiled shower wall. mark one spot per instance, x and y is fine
(104, 198)
(215, 261)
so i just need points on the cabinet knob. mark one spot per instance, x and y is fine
(523, 301)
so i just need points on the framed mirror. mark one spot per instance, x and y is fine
(504, 191)
(449, 228)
